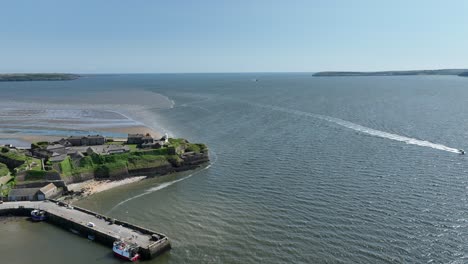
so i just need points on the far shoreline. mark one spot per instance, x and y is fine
(31, 138)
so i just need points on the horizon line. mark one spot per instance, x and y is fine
(225, 72)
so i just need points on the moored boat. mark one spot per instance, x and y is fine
(38, 215)
(126, 250)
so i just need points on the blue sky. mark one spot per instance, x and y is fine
(231, 36)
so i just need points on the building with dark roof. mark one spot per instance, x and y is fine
(135, 139)
(87, 141)
(23, 194)
(56, 148)
(34, 194)
(143, 141)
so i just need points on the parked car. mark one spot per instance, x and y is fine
(91, 224)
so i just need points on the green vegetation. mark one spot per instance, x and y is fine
(108, 164)
(13, 154)
(37, 77)
(101, 166)
(175, 142)
(6, 184)
(132, 147)
(40, 144)
(33, 175)
(4, 171)
(105, 165)
(33, 163)
(66, 167)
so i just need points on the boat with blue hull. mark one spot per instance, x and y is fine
(38, 215)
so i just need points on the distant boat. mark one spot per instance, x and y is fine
(38, 215)
(461, 151)
(126, 250)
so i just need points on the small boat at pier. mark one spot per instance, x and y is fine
(38, 215)
(126, 250)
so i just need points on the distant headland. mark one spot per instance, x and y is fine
(456, 72)
(21, 77)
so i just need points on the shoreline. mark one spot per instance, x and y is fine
(87, 188)
(30, 138)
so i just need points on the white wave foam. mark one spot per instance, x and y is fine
(162, 186)
(366, 130)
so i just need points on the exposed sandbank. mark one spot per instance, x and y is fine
(122, 130)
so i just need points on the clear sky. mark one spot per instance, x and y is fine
(99, 36)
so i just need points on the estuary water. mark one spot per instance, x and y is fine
(304, 169)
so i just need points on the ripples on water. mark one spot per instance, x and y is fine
(324, 174)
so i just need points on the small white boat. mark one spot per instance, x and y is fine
(126, 250)
(461, 151)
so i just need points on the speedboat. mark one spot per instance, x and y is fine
(461, 151)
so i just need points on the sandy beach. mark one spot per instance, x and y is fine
(134, 130)
(90, 187)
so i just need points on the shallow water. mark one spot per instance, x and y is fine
(305, 170)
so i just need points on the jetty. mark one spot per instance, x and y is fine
(100, 228)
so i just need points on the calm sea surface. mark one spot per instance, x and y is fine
(304, 169)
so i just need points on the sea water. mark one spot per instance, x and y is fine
(304, 169)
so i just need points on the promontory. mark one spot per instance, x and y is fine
(18, 77)
(456, 72)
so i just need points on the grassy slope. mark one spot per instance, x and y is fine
(4, 171)
(12, 154)
(144, 159)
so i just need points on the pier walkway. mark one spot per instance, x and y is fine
(105, 229)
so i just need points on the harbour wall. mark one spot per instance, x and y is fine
(150, 249)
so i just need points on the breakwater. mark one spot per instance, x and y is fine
(105, 230)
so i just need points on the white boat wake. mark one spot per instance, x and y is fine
(162, 186)
(365, 130)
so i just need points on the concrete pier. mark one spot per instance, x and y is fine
(105, 231)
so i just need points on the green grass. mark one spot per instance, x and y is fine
(175, 142)
(66, 167)
(4, 171)
(132, 147)
(32, 175)
(105, 165)
(30, 161)
(14, 155)
(6, 184)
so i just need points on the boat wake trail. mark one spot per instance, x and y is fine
(163, 185)
(366, 130)
(382, 134)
